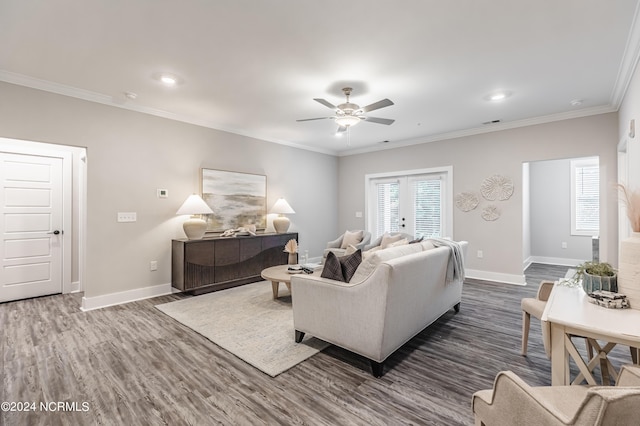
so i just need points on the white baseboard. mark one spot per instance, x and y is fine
(555, 260)
(496, 276)
(75, 286)
(90, 303)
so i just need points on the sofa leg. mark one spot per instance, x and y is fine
(377, 368)
(456, 307)
(299, 336)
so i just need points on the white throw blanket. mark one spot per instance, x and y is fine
(455, 266)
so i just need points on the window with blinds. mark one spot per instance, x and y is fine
(427, 207)
(387, 206)
(585, 196)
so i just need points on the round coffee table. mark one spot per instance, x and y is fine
(278, 274)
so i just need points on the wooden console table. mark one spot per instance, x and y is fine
(217, 263)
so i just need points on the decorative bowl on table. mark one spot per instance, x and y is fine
(294, 269)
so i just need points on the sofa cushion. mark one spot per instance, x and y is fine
(388, 239)
(371, 261)
(341, 268)
(402, 242)
(351, 238)
(427, 245)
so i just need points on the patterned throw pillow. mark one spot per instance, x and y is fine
(332, 268)
(341, 268)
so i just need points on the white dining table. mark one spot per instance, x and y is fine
(569, 314)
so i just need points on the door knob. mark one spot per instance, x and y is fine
(56, 232)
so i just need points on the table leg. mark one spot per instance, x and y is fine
(274, 288)
(559, 357)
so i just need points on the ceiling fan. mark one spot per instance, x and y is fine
(349, 114)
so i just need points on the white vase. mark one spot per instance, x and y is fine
(629, 269)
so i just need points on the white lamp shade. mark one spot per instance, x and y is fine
(281, 207)
(194, 205)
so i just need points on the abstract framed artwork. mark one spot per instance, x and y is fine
(237, 199)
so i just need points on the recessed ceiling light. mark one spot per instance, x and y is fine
(498, 96)
(168, 79)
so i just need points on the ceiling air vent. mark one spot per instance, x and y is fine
(491, 122)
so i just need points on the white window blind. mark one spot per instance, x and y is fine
(585, 185)
(387, 206)
(427, 205)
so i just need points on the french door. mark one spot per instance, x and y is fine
(417, 203)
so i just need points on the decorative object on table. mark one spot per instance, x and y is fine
(629, 256)
(281, 223)
(239, 198)
(194, 227)
(294, 269)
(497, 187)
(490, 213)
(467, 201)
(608, 299)
(292, 248)
(596, 276)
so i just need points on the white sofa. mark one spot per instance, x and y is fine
(394, 294)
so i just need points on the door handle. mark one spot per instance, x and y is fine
(56, 232)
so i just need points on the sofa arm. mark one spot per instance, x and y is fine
(350, 315)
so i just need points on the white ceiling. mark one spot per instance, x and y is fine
(253, 67)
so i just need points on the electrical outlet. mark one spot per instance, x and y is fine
(153, 265)
(358, 214)
(480, 254)
(564, 244)
(127, 217)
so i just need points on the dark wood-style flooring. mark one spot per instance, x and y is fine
(133, 365)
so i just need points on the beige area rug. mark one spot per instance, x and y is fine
(249, 323)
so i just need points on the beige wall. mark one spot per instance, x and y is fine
(630, 110)
(476, 157)
(130, 155)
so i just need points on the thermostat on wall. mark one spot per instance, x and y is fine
(163, 193)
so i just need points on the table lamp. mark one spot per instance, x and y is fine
(194, 227)
(281, 223)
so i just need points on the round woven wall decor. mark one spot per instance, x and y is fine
(467, 201)
(490, 213)
(497, 187)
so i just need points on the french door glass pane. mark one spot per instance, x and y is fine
(427, 208)
(388, 195)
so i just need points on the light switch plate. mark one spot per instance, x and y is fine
(127, 217)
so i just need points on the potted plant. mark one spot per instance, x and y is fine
(596, 276)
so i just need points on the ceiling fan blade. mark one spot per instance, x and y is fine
(378, 120)
(377, 105)
(311, 119)
(341, 129)
(325, 103)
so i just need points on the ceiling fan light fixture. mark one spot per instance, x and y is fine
(347, 120)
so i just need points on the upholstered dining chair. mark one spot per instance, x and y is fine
(513, 402)
(535, 306)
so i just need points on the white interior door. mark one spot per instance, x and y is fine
(31, 218)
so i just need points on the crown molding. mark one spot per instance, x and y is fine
(629, 62)
(586, 112)
(74, 92)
